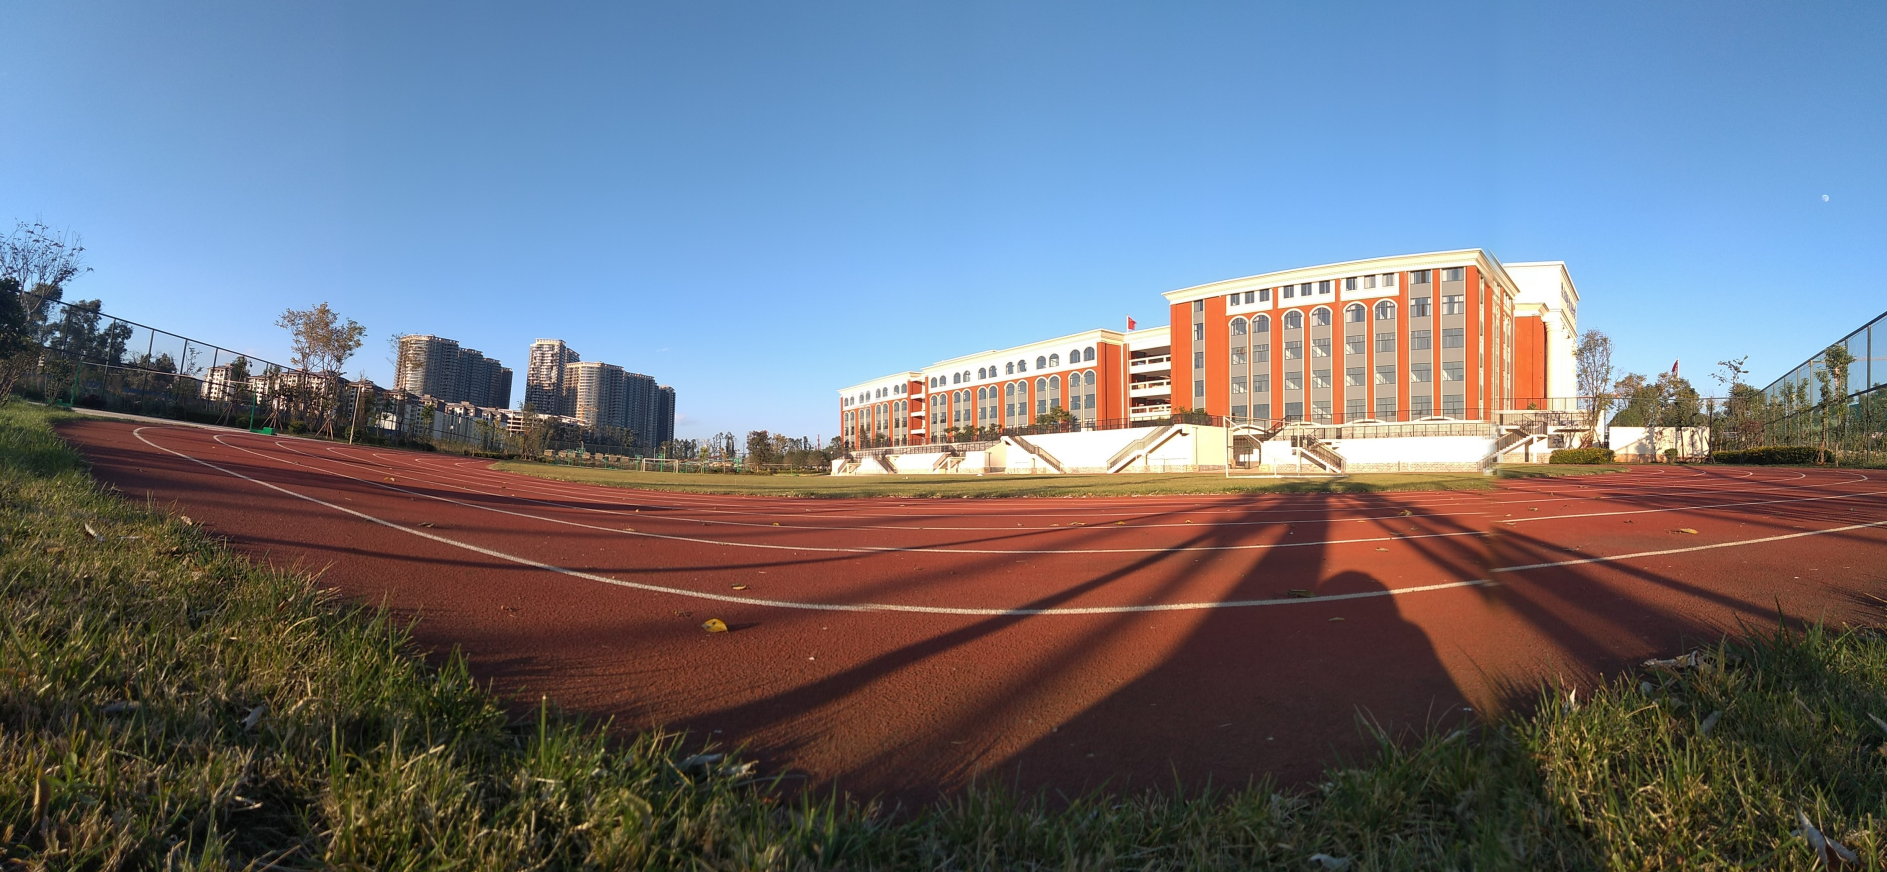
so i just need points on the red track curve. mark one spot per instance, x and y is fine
(902, 646)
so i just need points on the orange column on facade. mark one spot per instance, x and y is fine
(1180, 326)
(1218, 357)
(1471, 393)
(1405, 385)
(1529, 361)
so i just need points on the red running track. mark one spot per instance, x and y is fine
(905, 646)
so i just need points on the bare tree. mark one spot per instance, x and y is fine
(322, 342)
(1592, 363)
(42, 260)
(1832, 378)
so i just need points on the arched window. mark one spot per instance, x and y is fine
(981, 373)
(1022, 366)
(1009, 369)
(1088, 378)
(1041, 396)
(966, 376)
(1087, 354)
(1293, 320)
(1054, 359)
(1354, 314)
(1385, 311)
(1320, 317)
(1261, 324)
(1054, 392)
(1041, 363)
(982, 395)
(1238, 326)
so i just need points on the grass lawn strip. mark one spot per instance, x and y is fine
(165, 703)
(971, 486)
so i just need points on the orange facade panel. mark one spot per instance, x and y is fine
(1529, 362)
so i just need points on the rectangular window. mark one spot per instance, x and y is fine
(1198, 360)
(1261, 353)
(1199, 331)
(1353, 376)
(1452, 304)
(1418, 307)
(1320, 410)
(1451, 371)
(1349, 284)
(1231, 299)
(1385, 375)
(1320, 378)
(1323, 287)
(1294, 411)
(1074, 402)
(1293, 349)
(1238, 357)
(1091, 406)
(1421, 406)
(1386, 408)
(1009, 410)
(1248, 298)
(1418, 277)
(1418, 340)
(1261, 411)
(1294, 381)
(1264, 295)
(1452, 406)
(1452, 274)
(1385, 343)
(1198, 305)
(1353, 344)
(1419, 373)
(1199, 388)
(1238, 411)
(1041, 405)
(1369, 281)
(1454, 337)
(1238, 384)
(1320, 347)
(1261, 384)
(1353, 409)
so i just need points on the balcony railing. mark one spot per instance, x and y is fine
(1163, 361)
(1152, 387)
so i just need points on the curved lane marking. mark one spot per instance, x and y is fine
(946, 610)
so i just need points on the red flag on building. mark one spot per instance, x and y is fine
(1130, 322)
(1674, 367)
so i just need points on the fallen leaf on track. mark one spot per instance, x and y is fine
(1336, 619)
(1299, 592)
(1382, 549)
(1685, 530)
(714, 625)
(254, 717)
(187, 522)
(1405, 513)
(740, 587)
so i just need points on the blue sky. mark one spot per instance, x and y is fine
(762, 203)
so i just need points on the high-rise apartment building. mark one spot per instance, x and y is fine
(544, 387)
(437, 367)
(604, 395)
(664, 415)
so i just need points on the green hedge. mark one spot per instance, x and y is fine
(1777, 454)
(1581, 455)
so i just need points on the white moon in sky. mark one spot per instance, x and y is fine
(1824, 198)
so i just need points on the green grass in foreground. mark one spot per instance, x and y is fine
(166, 704)
(920, 486)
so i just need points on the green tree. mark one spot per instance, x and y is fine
(322, 341)
(760, 448)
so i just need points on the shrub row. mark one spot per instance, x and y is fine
(1776, 454)
(1581, 455)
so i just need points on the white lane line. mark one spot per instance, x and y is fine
(824, 549)
(946, 610)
